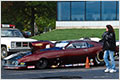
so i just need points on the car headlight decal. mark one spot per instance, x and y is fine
(15, 63)
(22, 63)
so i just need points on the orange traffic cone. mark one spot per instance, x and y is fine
(87, 65)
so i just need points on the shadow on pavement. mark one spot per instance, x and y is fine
(60, 77)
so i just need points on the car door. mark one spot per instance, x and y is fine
(77, 52)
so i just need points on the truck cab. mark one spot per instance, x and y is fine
(12, 40)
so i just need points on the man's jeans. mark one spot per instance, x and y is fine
(111, 54)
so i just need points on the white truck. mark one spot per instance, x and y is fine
(12, 40)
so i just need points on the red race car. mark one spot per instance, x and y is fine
(63, 52)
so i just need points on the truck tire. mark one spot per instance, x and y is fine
(4, 52)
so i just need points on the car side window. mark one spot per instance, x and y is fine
(90, 45)
(71, 46)
(78, 45)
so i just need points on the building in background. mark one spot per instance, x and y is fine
(87, 14)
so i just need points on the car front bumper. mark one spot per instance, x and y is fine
(19, 67)
(6, 66)
(14, 67)
(9, 65)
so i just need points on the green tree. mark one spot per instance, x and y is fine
(24, 13)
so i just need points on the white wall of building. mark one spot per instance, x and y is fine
(85, 24)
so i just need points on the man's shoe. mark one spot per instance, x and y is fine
(112, 70)
(106, 70)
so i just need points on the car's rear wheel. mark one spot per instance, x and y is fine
(42, 64)
(99, 60)
(4, 52)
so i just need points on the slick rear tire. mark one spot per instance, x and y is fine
(99, 60)
(42, 64)
(4, 52)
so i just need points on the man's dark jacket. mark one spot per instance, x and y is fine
(109, 41)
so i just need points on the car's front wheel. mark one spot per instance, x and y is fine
(4, 52)
(99, 60)
(42, 64)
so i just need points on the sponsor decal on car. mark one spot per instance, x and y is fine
(38, 44)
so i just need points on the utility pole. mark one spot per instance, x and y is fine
(32, 20)
(35, 29)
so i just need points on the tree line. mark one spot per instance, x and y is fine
(24, 14)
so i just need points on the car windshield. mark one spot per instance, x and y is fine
(61, 44)
(11, 33)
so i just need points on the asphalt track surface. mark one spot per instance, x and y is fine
(95, 72)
